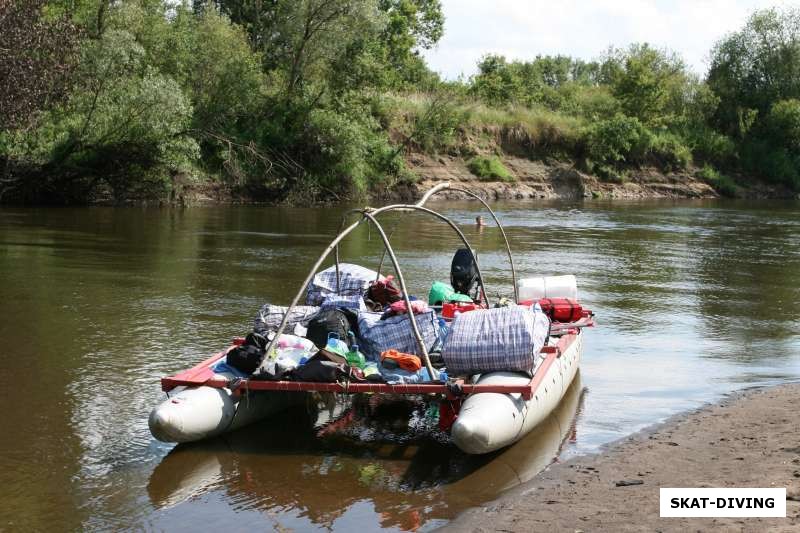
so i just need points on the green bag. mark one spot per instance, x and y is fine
(443, 292)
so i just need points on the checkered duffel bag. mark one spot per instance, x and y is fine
(354, 280)
(377, 336)
(492, 340)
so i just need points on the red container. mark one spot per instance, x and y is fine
(449, 309)
(559, 309)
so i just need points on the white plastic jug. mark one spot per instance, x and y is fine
(548, 287)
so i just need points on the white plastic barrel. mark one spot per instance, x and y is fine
(548, 287)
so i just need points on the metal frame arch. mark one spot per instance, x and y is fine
(369, 215)
(416, 207)
(448, 186)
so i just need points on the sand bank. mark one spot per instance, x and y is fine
(750, 439)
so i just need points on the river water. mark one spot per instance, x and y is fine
(693, 298)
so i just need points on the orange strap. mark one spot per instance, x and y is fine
(405, 361)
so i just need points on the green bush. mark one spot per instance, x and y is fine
(124, 127)
(431, 122)
(775, 163)
(710, 146)
(489, 169)
(722, 183)
(596, 102)
(670, 152)
(618, 140)
(782, 124)
(348, 154)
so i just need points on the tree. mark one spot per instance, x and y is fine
(410, 25)
(36, 59)
(756, 67)
(782, 124)
(550, 81)
(124, 126)
(302, 38)
(648, 82)
(495, 82)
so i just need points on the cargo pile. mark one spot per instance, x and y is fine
(357, 328)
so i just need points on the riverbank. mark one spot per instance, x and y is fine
(535, 179)
(532, 180)
(747, 440)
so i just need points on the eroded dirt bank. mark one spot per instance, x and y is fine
(532, 180)
(539, 180)
(748, 440)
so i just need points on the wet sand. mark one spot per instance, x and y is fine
(750, 439)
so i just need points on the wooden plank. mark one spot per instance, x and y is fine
(195, 376)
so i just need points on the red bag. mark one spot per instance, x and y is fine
(559, 309)
(383, 291)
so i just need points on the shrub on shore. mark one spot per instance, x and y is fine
(722, 183)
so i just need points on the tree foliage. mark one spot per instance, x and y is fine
(755, 67)
(649, 83)
(755, 73)
(325, 98)
(550, 81)
(36, 59)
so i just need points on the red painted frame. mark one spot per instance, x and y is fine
(202, 375)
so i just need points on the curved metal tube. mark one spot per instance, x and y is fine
(502, 231)
(432, 191)
(414, 327)
(421, 201)
(414, 207)
(369, 214)
(310, 276)
(446, 186)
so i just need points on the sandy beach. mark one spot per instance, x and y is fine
(750, 439)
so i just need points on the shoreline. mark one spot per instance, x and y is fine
(534, 180)
(747, 439)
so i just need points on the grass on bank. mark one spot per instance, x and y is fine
(722, 183)
(489, 169)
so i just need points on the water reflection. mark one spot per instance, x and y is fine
(322, 466)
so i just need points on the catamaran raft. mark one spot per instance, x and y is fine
(497, 370)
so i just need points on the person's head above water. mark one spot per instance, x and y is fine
(479, 221)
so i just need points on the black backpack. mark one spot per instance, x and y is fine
(247, 357)
(327, 321)
(463, 271)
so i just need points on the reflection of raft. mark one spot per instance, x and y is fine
(519, 463)
(498, 409)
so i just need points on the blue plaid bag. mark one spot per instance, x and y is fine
(492, 340)
(353, 281)
(376, 335)
(269, 317)
(354, 302)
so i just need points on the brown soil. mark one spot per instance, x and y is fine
(539, 180)
(749, 440)
(533, 179)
